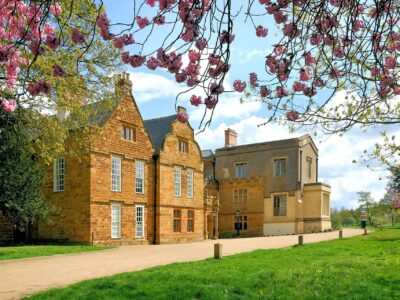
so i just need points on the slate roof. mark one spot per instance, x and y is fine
(206, 153)
(99, 115)
(158, 128)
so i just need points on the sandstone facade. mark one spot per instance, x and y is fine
(269, 188)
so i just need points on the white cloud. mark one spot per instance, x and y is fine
(150, 86)
(246, 56)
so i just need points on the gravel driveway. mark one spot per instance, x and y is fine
(22, 277)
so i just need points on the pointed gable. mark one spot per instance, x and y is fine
(158, 128)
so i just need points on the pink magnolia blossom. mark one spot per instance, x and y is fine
(136, 60)
(226, 37)
(280, 17)
(53, 42)
(48, 29)
(261, 31)
(309, 59)
(239, 86)
(396, 90)
(279, 49)
(291, 30)
(125, 57)
(264, 91)
(182, 117)
(316, 39)
(309, 91)
(159, 20)
(201, 44)
(9, 106)
(292, 115)
(55, 9)
(335, 73)
(304, 75)
(281, 91)
(253, 79)
(390, 62)
(214, 59)
(180, 77)
(142, 21)
(195, 100)
(151, 2)
(77, 36)
(194, 56)
(58, 71)
(192, 81)
(104, 24)
(298, 86)
(152, 63)
(123, 40)
(216, 88)
(211, 102)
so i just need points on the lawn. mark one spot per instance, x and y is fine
(363, 267)
(43, 250)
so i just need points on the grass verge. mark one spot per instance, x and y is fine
(362, 267)
(15, 252)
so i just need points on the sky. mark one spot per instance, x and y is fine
(155, 93)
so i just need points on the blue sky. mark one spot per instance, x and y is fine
(155, 93)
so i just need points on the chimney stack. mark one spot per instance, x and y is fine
(123, 82)
(230, 138)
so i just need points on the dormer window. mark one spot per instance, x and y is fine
(183, 146)
(128, 133)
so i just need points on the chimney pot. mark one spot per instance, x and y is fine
(123, 82)
(230, 138)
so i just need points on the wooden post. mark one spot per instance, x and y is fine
(218, 251)
(365, 231)
(340, 234)
(300, 240)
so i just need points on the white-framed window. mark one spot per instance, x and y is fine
(190, 182)
(139, 177)
(139, 221)
(280, 205)
(325, 205)
(115, 220)
(177, 181)
(309, 167)
(116, 173)
(279, 167)
(241, 170)
(59, 174)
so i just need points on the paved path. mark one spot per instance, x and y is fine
(22, 277)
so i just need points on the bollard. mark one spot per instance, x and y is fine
(365, 231)
(300, 240)
(340, 234)
(217, 251)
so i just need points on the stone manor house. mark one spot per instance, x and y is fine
(148, 182)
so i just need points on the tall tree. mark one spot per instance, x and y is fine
(366, 202)
(21, 199)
